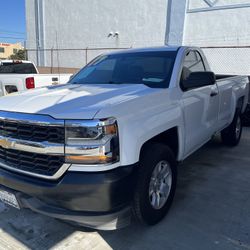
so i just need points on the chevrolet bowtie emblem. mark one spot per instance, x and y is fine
(5, 143)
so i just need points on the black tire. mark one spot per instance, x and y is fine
(246, 116)
(150, 157)
(232, 134)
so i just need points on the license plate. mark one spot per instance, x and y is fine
(9, 199)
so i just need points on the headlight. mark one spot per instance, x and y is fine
(92, 142)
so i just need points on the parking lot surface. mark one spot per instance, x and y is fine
(211, 210)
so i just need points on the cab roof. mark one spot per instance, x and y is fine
(146, 49)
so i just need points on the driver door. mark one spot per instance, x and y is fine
(200, 106)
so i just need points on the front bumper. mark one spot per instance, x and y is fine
(98, 200)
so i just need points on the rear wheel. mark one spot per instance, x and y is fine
(156, 184)
(232, 134)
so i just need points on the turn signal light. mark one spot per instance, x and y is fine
(88, 159)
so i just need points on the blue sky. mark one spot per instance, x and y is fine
(12, 21)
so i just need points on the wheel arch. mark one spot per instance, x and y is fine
(170, 137)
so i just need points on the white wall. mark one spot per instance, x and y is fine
(31, 28)
(78, 24)
(175, 22)
(227, 26)
(222, 23)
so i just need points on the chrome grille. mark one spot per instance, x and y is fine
(31, 132)
(32, 144)
(47, 165)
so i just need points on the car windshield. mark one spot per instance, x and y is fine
(17, 68)
(152, 68)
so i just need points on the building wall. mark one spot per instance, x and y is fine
(9, 49)
(176, 16)
(77, 24)
(224, 23)
(220, 23)
(65, 28)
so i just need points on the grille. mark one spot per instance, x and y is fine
(30, 132)
(46, 165)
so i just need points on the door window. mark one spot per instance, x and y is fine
(192, 63)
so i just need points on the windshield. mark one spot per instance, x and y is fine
(17, 68)
(153, 69)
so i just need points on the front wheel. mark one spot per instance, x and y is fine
(232, 134)
(156, 184)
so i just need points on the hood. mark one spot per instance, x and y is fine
(72, 101)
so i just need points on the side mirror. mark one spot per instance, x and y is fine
(198, 79)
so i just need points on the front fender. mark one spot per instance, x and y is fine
(135, 133)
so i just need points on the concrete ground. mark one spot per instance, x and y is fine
(211, 210)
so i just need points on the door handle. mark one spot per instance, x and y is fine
(214, 93)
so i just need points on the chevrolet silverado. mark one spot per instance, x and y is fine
(106, 145)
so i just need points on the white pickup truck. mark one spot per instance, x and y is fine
(106, 145)
(18, 75)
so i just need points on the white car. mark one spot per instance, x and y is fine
(106, 145)
(18, 75)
